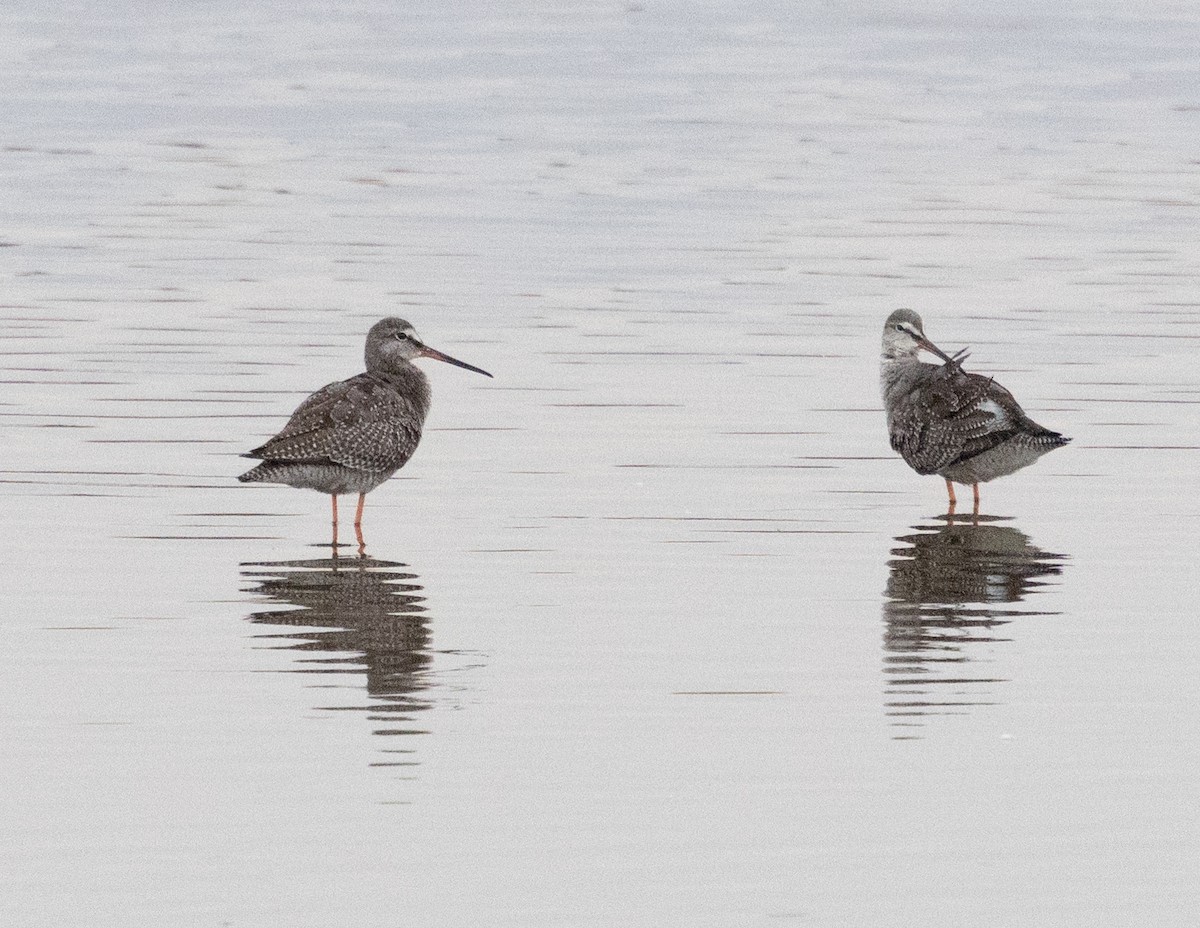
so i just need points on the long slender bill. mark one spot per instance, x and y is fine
(428, 352)
(934, 349)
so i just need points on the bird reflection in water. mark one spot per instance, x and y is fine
(363, 616)
(951, 589)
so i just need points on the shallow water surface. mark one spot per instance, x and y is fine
(654, 629)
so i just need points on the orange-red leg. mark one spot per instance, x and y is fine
(975, 487)
(362, 545)
(953, 498)
(333, 498)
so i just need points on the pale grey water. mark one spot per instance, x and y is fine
(657, 631)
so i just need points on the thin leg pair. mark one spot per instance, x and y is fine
(954, 499)
(362, 545)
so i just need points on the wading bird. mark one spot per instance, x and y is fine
(351, 436)
(965, 428)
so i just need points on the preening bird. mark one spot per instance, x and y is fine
(965, 428)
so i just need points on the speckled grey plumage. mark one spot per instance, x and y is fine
(352, 435)
(942, 420)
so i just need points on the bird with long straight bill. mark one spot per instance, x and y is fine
(352, 435)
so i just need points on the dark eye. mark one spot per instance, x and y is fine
(401, 336)
(899, 326)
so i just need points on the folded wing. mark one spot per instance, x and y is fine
(363, 422)
(949, 416)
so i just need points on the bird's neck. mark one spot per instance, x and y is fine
(409, 381)
(897, 371)
(891, 352)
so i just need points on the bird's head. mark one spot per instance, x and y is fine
(904, 337)
(393, 341)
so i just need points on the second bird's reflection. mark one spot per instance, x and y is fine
(951, 589)
(353, 617)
